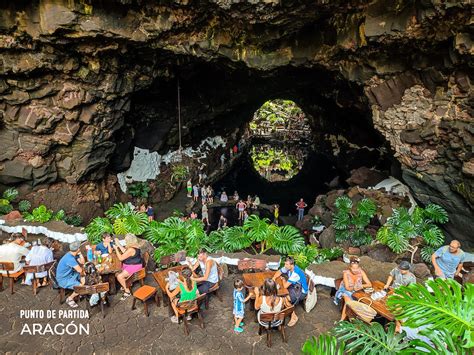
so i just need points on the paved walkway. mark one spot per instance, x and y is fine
(125, 331)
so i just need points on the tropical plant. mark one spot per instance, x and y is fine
(75, 220)
(235, 238)
(214, 241)
(10, 194)
(408, 232)
(448, 307)
(119, 210)
(96, 228)
(328, 254)
(139, 189)
(24, 206)
(362, 338)
(5, 209)
(59, 216)
(179, 172)
(39, 214)
(286, 240)
(351, 226)
(306, 256)
(325, 344)
(126, 220)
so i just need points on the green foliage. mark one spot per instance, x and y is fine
(449, 307)
(126, 220)
(328, 254)
(402, 227)
(325, 344)
(96, 228)
(24, 206)
(5, 209)
(179, 172)
(351, 226)
(286, 240)
(10, 194)
(75, 220)
(139, 189)
(306, 256)
(119, 210)
(214, 241)
(235, 238)
(59, 216)
(362, 338)
(39, 214)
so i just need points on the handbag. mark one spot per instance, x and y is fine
(362, 310)
(311, 298)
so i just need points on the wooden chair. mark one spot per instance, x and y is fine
(279, 318)
(37, 269)
(54, 282)
(188, 308)
(88, 291)
(215, 289)
(8, 266)
(144, 293)
(138, 276)
(170, 260)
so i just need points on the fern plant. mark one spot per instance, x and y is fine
(139, 189)
(96, 228)
(408, 232)
(351, 226)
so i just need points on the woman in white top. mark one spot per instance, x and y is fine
(269, 302)
(39, 254)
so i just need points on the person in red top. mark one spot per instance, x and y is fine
(300, 206)
(241, 206)
(235, 149)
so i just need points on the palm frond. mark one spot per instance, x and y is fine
(257, 228)
(426, 253)
(366, 207)
(436, 213)
(287, 240)
(362, 338)
(235, 238)
(343, 203)
(96, 228)
(447, 307)
(433, 236)
(119, 210)
(325, 344)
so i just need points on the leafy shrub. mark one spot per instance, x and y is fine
(126, 220)
(39, 214)
(179, 172)
(75, 220)
(139, 189)
(59, 216)
(119, 210)
(96, 228)
(419, 228)
(306, 256)
(10, 194)
(351, 226)
(328, 254)
(24, 206)
(5, 209)
(325, 344)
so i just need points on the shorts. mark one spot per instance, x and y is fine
(131, 269)
(238, 314)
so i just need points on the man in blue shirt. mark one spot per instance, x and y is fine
(68, 272)
(448, 260)
(106, 246)
(295, 282)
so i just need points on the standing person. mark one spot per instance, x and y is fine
(210, 194)
(246, 215)
(236, 196)
(300, 206)
(13, 252)
(39, 254)
(204, 213)
(256, 202)
(222, 160)
(189, 187)
(401, 276)
(235, 149)
(68, 272)
(209, 271)
(150, 213)
(131, 259)
(203, 195)
(448, 260)
(276, 213)
(249, 201)
(295, 282)
(241, 206)
(239, 306)
(195, 192)
(222, 222)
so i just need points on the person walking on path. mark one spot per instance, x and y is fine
(276, 213)
(300, 206)
(189, 187)
(195, 193)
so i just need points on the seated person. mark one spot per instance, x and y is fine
(236, 196)
(256, 202)
(93, 278)
(106, 246)
(448, 260)
(68, 272)
(209, 271)
(187, 290)
(39, 254)
(401, 276)
(222, 222)
(354, 279)
(131, 259)
(268, 301)
(224, 197)
(13, 252)
(249, 201)
(295, 282)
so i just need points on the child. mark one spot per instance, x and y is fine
(92, 277)
(150, 213)
(239, 307)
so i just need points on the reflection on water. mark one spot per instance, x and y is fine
(277, 163)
